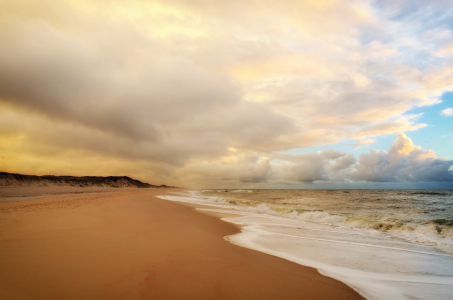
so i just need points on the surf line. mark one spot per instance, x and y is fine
(348, 243)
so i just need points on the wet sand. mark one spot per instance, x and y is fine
(127, 244)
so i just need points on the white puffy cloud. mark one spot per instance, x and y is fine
(404, 162)
(447, 112)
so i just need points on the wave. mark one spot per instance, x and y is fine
(436, 233)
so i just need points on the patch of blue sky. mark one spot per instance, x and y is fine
(427, 15)
(406, 20)
(438, 135)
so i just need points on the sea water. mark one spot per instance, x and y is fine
(386, 244)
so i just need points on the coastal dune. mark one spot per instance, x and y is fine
(128, 244)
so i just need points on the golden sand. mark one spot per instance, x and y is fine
(128, 244)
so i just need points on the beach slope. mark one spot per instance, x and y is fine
(130, 245)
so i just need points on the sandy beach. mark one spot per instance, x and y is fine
(128, 244)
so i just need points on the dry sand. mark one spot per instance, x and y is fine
(127, 244)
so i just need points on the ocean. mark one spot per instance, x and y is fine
(386, 244)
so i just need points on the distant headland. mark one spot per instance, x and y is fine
(11, 179)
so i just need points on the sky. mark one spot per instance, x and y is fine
(230, 94)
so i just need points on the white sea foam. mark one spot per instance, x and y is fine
(374, 263)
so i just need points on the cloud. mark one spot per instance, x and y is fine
(447, 112)
(364, 142)
(166, 88)
(403, 162)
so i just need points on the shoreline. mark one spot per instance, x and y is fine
(130, 244)
(376, 265)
